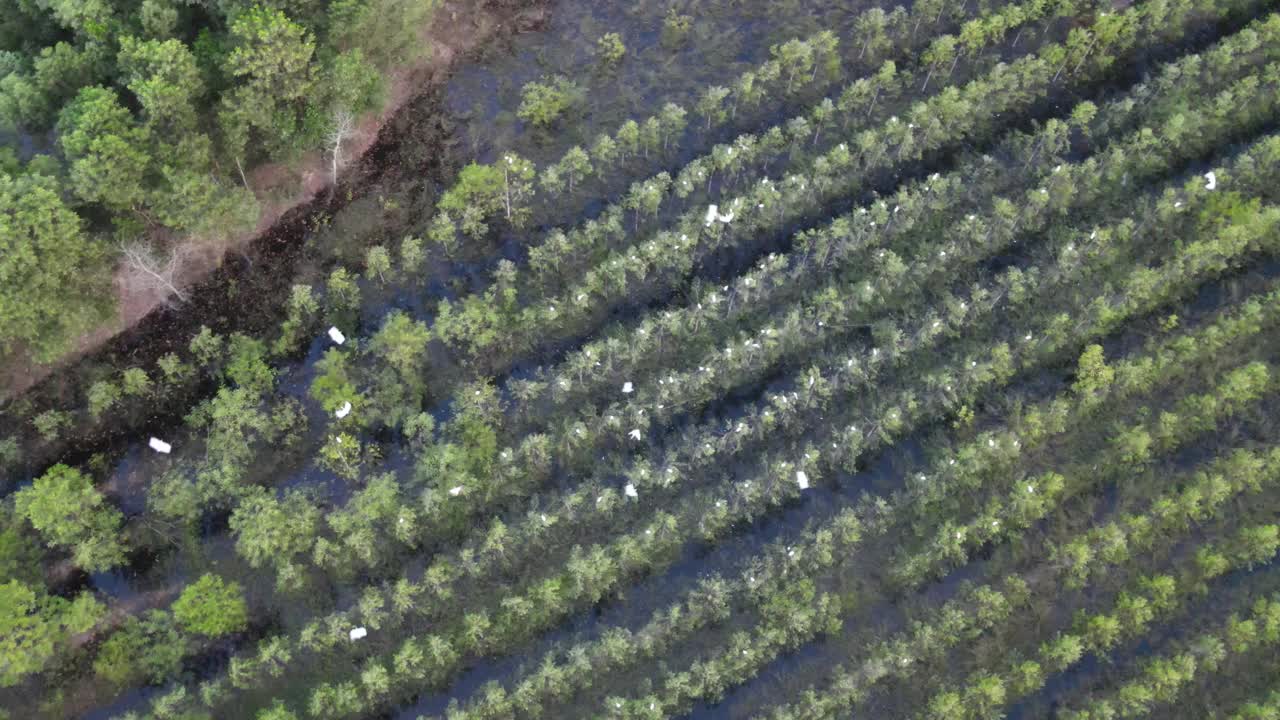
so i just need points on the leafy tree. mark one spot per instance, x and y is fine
(107, 149)
(247, 365)
(51, 423)
(355, 82)
(575, 165)
(33, 625)
(711, 105)
(796, 58)
(673, 120)
(333, 385)
(278, 711)
(147, 648)
(1093, 375)
(377, 263)
(102, 396)
(542, 103)
(343, 293)
(479, 186)
(270, 60)
(212, 607)
(411, 256)
(273, 532)
(610, 49)
(165, 78)
(135, 382)
(604, 150)
(402, 343)
(50, 272)
(68, 511)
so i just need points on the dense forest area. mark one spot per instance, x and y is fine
(767, 359)
(137, 121)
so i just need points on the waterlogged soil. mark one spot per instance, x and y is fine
(470, 116)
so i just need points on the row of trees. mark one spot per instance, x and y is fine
(728, 514)
(672, 253)
(982, 461)
(561, 253)
(706, 376)
(1132, 614)
(712, 517)
(1015, 508)
(510, 185)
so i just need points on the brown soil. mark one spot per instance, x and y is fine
(457, 27)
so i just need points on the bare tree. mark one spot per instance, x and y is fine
(148, 269)
(342, 128)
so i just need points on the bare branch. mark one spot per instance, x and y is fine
(150, 270)
(343, 127)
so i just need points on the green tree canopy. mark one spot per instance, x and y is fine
(542, 103)
(50, 272)
(165, 78)
(107, 148)
(33, 625)
(69, 512)
(211, 606)
(146, 648)
(270, 60)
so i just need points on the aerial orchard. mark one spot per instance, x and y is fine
(923, 365)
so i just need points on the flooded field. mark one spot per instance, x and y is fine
(712, 360)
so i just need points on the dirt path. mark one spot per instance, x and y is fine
(457, 27)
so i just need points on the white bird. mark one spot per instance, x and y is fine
(160, 446)
(343, 411)
(336, 336)
(630, 490)
(455, 490)
(1212, 180)
(726, 218)
(635, 434)
(627, 388)
(357, 633)
(713, 212)
(802, 480)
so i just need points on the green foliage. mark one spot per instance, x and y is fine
(165, 78)
(356, 82)
(333, 385)
(343, 293)
(102, 396)
(34, 626)
(51, 282)
(135, 382)
(1093, 376)
(107, 149)
(247, 365)
(51, 423)
(542, 103)
(148, 648)
(271, 532)
(477, 186)
(401, 342)
(377, 263)
(211, 607)
(610, 49)
(270, 58)
(69, 512)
